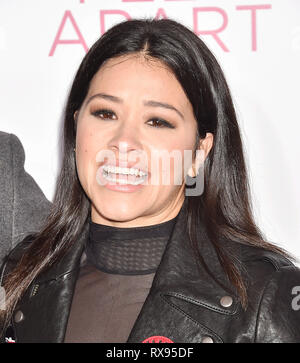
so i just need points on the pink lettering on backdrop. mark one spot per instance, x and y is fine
(214, 33)
(161, 14)
(253, 9)
(103, 13)
(135, 1)
(57, 40)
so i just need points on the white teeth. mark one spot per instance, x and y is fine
(123, 181)
(107, 169)
(126, 171)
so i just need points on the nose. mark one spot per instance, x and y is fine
(125, 140)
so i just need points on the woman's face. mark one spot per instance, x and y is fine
(134, 115)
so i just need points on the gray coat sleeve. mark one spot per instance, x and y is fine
(23, 206)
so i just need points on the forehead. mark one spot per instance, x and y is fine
(135, 61)
(138, 73)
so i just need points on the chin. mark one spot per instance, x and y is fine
(117, 210)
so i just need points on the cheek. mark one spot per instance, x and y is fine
(174, 160)
(86, 150)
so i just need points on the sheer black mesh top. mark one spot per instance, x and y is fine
(128, 251)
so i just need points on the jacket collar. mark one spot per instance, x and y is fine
(178, 263)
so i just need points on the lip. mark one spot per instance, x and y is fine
(128, 188)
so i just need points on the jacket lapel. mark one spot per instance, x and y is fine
(183, 304)
(46, 305)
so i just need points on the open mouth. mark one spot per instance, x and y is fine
(123, 175)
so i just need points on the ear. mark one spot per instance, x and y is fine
(202, 151)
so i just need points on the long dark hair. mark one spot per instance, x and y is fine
(226, 197)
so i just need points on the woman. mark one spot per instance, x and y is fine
(125, 259)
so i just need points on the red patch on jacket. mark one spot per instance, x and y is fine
(157, 339)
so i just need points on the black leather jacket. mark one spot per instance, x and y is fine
(184, 304)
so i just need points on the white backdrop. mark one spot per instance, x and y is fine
(257, 43)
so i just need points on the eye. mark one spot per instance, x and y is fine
(159, 123)
(105, 114)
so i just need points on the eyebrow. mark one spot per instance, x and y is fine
(164, 105)
(149, 103)
(106, 97)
